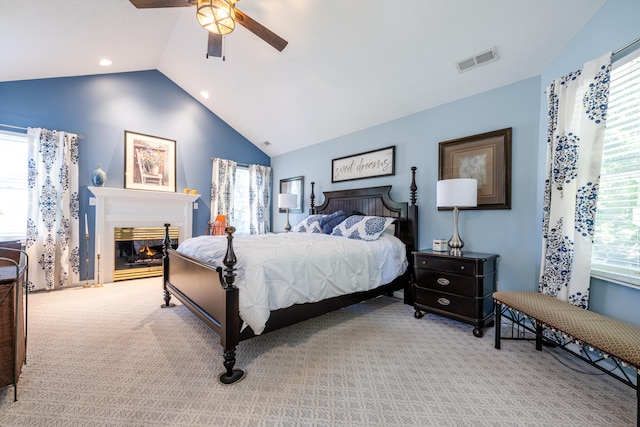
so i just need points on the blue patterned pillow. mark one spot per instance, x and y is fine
(327, 222)
(361, 227)
(309, 225)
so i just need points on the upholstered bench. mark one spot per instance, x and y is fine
(608, 344)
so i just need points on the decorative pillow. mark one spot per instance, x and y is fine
(327, 222)
(362, 227)
(309, 225)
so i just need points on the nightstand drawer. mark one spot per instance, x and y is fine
(458, 266)
(472, 308)
(451, 283)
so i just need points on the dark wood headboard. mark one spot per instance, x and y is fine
(376, 201)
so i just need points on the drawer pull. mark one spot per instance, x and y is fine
(424, 262)
(462, 267)
(443, 301)
(442, 281)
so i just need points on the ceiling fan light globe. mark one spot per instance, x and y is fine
(216, 16)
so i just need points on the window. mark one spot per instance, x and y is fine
(241, 201)
(13, 186)
(616, 250)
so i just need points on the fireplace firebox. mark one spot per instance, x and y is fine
(138, 251)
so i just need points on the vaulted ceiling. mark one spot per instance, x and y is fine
(349, 65)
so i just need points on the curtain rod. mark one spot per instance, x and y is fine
(242, 165)
(25, 129)
(628, 45)
(12, 127)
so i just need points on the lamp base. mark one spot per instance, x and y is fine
(455, 252)
(455, 243)
(287, 227)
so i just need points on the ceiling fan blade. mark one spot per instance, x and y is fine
(214, 47)
(145, 4)
(259, 30)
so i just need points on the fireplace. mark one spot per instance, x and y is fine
(137, 209)
(138, 251)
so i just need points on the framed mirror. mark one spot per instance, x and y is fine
(293, 186)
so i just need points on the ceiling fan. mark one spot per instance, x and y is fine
(219, 18)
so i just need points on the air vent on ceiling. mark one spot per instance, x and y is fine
(477, 60)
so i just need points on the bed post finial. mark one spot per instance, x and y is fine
(413, 187)
(230, 259)
(313, 198)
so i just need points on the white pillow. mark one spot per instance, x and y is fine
(361, 227)
(309, 224)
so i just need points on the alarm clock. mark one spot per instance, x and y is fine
(440, 245)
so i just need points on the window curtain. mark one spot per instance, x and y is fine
(577, 115)
(53, 233)
(223, 181)
(259, 199)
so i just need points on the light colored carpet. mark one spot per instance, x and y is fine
(112, 357)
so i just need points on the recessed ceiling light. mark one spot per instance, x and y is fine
(105, 62)
(204, 94)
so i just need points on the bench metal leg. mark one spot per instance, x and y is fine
(498, 317)
(538, 336)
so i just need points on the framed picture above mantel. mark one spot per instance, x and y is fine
(369, 164)
(485, 157)
(149, 162)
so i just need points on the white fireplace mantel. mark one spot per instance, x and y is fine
(117, 207)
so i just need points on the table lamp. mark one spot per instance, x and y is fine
(457, 193)
(287, 201)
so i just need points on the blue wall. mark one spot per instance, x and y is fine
(102, 107)
(513, 234)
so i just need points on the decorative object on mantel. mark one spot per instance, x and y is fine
(457, 193)
(149, 162)
(286, 202)
(364, 165)
(99, 177)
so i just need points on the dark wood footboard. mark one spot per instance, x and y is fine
(210, 295)
(209, 292)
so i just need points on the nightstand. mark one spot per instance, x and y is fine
(458, 287)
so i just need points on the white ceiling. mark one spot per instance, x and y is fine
(349, 64)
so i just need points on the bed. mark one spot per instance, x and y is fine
(210, 290)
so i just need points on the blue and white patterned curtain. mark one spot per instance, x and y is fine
(52, 217)
(223, 181)
(577, 114)
(259, 199)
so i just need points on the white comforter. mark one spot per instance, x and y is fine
(278, 270)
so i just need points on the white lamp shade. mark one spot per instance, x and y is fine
(287, 201)
(460, 192)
